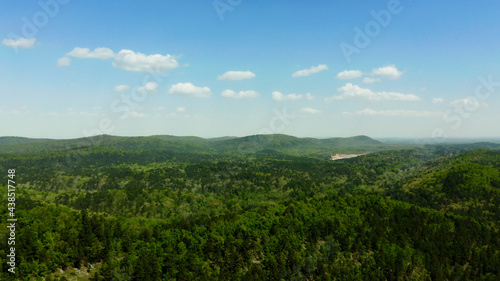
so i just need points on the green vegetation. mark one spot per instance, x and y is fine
(225, 145)
(255, 208)
(18, 140)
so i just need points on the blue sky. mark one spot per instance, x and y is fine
(236, 67)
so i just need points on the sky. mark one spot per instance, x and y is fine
(409, 69)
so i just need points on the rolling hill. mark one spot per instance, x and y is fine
(19, 140)
(225, 145)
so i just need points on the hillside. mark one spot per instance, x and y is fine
(298, 146)
(469, 185)
(18, 140)
(226, 145)
(253, 208)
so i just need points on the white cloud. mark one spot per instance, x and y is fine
(278, 96)
(160, 108)
(251, 94)
(64, 61)
(85, 53)
(121, 88)
(354, 91)
(312, 70)
(190, 90)
(125, 59)
(236, 75)
(149, 87)
(395, 113)
(135, 114)
(181, 109)
(370, 80)
(308, 96)
(470, 103)
(310, 110)
(19, 43)
(349, 74)
(131, 61)
(389, 72)
(437, 100)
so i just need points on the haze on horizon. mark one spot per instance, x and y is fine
(392, 68)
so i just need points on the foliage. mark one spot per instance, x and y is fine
(161, 208)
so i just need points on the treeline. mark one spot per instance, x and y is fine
(356, 238)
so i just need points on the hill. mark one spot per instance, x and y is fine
(226, 145)
(18, 140)
(169, 143)
(278, 143)
(467, 184)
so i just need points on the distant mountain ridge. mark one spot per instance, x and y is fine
(274, 143)
(260, 145)
(18, 140)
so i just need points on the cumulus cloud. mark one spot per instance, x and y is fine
(279, 96)
(19, 43)
(132, 61)
(125, 59)
(190, 90)
(437, 100)
(349, 74)
(354, 91)
(181, 109)
(236, 75)
(240, 95)
(64, 61)
(149, 87)
(312, 70)
(121, 88)
(470, 103)
(309, 110)
(97, 53)
(394, 113)
(386, 72)
(370, 80)
(389, 72)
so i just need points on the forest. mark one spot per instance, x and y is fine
(271, 207)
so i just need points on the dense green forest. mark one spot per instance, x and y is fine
(271, 207)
